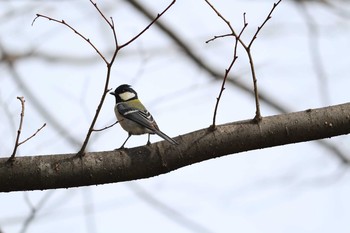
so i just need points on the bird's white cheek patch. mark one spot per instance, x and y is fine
(127, 95)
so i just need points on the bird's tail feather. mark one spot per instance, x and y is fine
(166, 137)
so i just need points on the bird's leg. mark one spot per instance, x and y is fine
(149, 142)
(122, 147)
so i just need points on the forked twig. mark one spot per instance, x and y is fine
(111, 25)
(108, 63)
(252, 69)
(19, 128)
(247, 49)
(17, 143)
(197, 60)
(227, 71)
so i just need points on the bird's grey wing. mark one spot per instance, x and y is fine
(143, 118)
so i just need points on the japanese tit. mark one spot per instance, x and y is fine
(133, 116)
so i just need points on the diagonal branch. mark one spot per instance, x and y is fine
(109, 64)
(252, 69)
(63, 171)
(227, 71)
(215, 74)
(107, 127)
(74, 30)
(33, 135)
(149, 25)
(263, 24)
(247, 49)
(109, 70)
(111, 25)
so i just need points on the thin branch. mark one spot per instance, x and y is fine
(40, 108)
(37, 131)
(227, 71)
(110, 23)
(247, 49)
(149, 25)
(217, 37)
(109, 68)
(19, 129)
(201, 63)
(255, 85)
(223, 19)
(108, 63)
(115, 37)
(74, 30)
(104, 128)
(81, 152)
(263, 24)
(17, 143)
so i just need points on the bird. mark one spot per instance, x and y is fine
(133, 117)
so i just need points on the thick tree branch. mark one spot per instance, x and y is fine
(67, 170)
(217, 75)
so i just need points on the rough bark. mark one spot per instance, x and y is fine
(68, 170)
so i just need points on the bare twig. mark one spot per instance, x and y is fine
(111, 25)
(109, 66)
(74, 30)
(233, 33)
(202, 64)
(247, 49)
(108, 63)
(149, 25)
(217, 37)
(40, 108)
(262, 25)
(17, 143)
(107, 127)
(227, 71)
(19, 129)
(37, 131)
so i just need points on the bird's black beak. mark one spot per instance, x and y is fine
(112, 93)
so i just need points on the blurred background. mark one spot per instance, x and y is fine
(301, 58)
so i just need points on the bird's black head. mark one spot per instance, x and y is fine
(124, 93)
